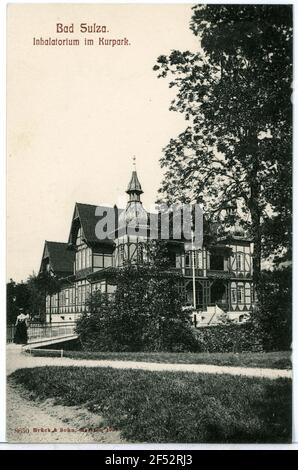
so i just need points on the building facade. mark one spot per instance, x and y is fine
(217, 278)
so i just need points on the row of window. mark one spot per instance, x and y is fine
(84, 259)
(137, 253)
(69, 297)
(77, 297)
(104, 287)
(216, 263)
(102, 261)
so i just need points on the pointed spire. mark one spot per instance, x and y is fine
(134, 188)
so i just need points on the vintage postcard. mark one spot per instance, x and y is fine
(149, 224)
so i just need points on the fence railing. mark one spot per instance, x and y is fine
(43, 330)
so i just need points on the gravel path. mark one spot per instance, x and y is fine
(17, 360)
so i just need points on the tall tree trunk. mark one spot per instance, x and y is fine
(255, 209)
(257, 240)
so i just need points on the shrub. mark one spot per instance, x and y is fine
(228, 338)
(145, 313)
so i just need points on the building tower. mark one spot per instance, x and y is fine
(132, 230)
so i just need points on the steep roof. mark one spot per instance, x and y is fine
(86, 215)
(61, 259)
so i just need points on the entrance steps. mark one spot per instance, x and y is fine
(212, 316)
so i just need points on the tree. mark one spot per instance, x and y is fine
(145, 313)
(273, 315)
(235, 94)
(18, 297)
(39, 287)
(30, 295)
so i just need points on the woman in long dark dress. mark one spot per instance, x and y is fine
(21, 335)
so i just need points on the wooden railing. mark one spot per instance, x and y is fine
(43, 330)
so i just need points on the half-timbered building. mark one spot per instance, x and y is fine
(220, 274)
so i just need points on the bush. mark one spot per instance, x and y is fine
(229, 338)
(145, 314)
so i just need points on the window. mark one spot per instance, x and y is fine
(89, 257)
(247, 294)
(234, 295)
(111, 289)
(108, 261)
(55, 300)
(98, 261)
(71, 297)
(178, 261)
(79, 237)
(102, 261)
(187, 259)
(216, 262)
(83, 257)
(121, 253)
(172, 259)
(199, 259)
(83, 294)
(102, 287)
(240, 294)
(239, 261)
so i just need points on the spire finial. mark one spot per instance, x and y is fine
(134, 162)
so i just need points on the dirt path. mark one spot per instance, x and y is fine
(45, 423)
(29, 421)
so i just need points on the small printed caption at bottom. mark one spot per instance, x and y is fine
(153, 459)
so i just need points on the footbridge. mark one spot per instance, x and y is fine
(45, 334)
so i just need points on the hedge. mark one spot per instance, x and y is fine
(228, 338)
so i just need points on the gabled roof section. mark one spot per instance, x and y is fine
(85, 216)
(61, 259)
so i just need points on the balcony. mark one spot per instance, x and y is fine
(219, 274)
(198, 272)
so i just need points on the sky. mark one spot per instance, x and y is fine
(76, 115)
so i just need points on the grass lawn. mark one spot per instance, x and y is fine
(170, 406)
(272, 360)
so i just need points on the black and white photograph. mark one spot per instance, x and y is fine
(149, 223)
